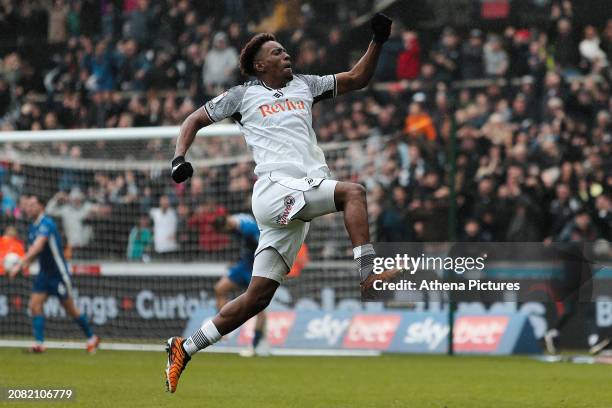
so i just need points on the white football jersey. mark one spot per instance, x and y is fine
(277, 123)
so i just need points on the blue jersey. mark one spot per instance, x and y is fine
(51, 259)
(247, 235)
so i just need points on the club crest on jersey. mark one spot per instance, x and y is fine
(282, 106)
(283, 218)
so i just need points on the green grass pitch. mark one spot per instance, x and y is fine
(134, 379)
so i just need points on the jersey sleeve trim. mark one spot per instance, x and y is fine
(335, 85)
(331, 93)
(208, 113)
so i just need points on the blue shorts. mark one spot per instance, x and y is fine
(53, 285)
(240, 273)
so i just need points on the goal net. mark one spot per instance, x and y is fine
(143, 250)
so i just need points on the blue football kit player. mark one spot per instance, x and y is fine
(244, 229)
(53, 278)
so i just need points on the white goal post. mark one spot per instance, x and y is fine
(73, 135)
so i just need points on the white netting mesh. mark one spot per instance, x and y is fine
(106, 194)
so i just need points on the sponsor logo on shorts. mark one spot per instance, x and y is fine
(283, 218)
(289, 201)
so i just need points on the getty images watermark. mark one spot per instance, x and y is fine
(476, 271)
(459, 265)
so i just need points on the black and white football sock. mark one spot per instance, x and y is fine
(364, 259)
(205, 336)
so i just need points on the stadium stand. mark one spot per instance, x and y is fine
(530, 108)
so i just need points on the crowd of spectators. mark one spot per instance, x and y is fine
(525, 112)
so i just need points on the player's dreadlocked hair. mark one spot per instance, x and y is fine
(247, 55)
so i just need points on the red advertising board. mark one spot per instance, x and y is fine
(479, 333)
(278, 325)
(371, 331)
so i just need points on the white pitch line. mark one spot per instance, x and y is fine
(325, 353)
(117, 346)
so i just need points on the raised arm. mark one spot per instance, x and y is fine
(181, 169)
(194, 122)
(53, 206)
(359, 76)
(218, 108)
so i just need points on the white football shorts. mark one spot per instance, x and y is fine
(283, 207)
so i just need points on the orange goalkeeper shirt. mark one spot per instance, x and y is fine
(301, 261)
(8, 245)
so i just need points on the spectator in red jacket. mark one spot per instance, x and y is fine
(409, 60)
(203, 219)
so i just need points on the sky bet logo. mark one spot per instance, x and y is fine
(428, 332)
(371, 331)
(326, 328)
(479, 333)
(282, 106)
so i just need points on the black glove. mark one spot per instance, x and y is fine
(381, 25)
(181, 169)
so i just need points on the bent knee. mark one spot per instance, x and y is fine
(349, 192)
(357, 191)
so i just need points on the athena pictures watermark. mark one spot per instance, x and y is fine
(471, 271)
(471, 284)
